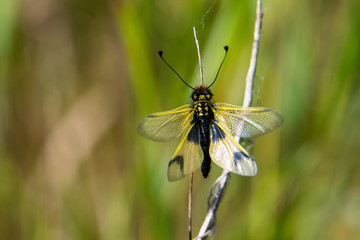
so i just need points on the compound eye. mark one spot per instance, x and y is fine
(195, 97)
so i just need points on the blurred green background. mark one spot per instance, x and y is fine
(77, 76)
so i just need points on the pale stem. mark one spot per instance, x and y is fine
(198, 51)
(209, 227)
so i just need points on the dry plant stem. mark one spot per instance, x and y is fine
(189, 209)
(209, 227)
(198, 50)
(191, 175)
(254, 56)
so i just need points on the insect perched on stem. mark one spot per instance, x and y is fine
(208, 132)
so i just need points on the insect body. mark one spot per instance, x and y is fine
(202, 118)
(208, 133)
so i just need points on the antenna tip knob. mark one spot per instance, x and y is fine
(160, 53)
(226, 47)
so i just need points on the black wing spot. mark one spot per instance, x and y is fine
(216, 132)
(238, 156)
(194, 134)
(178, 160)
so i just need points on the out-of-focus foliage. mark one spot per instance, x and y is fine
(77, 76)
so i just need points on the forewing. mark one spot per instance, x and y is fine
(188, 156)
(228, 154)
(247, 122)
(165, 126)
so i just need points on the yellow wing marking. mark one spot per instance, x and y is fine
(247, 122)
(165, 126)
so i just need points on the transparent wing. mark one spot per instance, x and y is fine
(247, 122)
(188, 156)
(165, 126)
(228, 154)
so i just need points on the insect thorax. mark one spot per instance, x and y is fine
(202, 103)
(203, 110)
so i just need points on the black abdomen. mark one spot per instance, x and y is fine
(205, 145)
(204, 115)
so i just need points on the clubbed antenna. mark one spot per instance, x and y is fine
(226, 51)
(160, 54)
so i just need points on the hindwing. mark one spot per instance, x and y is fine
(188, 156)
(227, 153)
